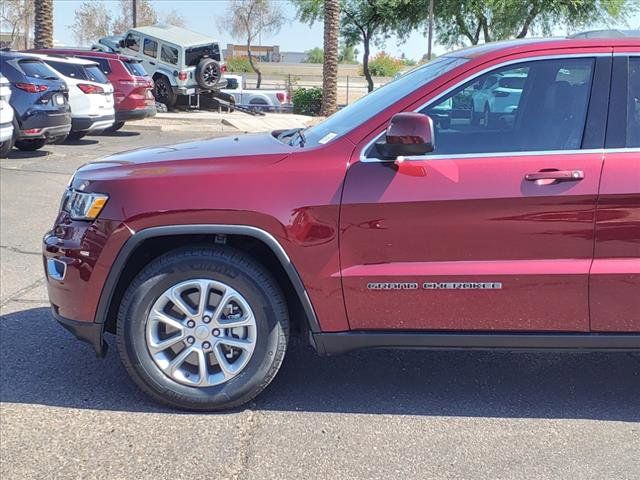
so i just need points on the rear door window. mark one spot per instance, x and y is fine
(68, 69)
(95, 74)
(103, 62)
(135, 68)
(633, 103)
(37, 69)
(169, 54)
(150, 48)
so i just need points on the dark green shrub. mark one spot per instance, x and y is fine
(307, 101)
(238, 64)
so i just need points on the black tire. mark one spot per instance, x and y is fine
(208, 73)
(30, 145)
(163, 91)
(114, 128)
(73, 136)
(222, 264)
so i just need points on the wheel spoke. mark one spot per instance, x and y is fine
(203, 285)
(225, 367)
(179, 360)
(203, 372)
(226, 297)
(159, 346)
(177, 300)
(236, 343)
(158, 316)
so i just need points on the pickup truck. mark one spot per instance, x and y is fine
(375, 228)
(265, 100)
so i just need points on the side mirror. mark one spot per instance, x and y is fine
(121, 43)
(408, 134)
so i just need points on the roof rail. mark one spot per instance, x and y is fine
(611, 33)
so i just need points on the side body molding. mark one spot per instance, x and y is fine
(213, 229)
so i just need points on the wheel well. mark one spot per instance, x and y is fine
(157, 75)
(152, 248)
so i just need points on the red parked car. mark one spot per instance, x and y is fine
(133, 87)
(375, 228)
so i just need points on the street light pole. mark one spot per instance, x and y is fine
(430, 29)
(135, 13)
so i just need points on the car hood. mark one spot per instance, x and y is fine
(237, 152)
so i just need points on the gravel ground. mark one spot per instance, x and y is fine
(379, 414)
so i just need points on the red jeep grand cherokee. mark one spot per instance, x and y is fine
(514, 227)
(132, 86)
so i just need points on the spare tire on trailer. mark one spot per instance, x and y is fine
(208, 73)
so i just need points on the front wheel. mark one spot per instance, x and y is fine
(114, 128)
(76, 135)
(203, 328)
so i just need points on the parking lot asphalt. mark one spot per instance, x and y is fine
(378, 414)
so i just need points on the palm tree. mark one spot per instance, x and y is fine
(43, 30)
(330, 65)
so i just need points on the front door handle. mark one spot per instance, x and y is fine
(555, 176)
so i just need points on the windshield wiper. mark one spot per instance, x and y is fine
(303, 139)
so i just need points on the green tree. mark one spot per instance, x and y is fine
(367, 21)
(470, 21)
(248, 19)
(315, 55)
(348, 53)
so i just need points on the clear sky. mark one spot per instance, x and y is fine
(201, 16)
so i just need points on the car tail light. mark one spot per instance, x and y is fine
(88, 88)
(281, 96)
(223, 68)
(182, 75)
(32, 131)
(498, 93)
(31, 87)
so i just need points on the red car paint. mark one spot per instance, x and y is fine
(567, 255)
(132, 94)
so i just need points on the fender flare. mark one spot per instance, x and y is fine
(166, 73)
(172, 230)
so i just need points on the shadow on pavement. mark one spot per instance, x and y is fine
(119, 133)
(40, 363)
(82, 141)
(16, 154)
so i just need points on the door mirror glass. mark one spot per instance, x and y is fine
(408, 133)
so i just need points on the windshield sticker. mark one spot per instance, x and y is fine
(327, 138)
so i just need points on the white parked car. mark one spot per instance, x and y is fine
(497, 94)
(254, 98)
(6, 117)
(90, 94)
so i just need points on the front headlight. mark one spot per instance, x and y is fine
(82, 205)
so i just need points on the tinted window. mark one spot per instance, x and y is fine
(232, 84)
(103, 62)
(380, 99)
(542, 105)
(133, 42)
(37, 69)
(169, 54)
(194, 55)
(68, 69)
(95, 74)
(633, 102)
(150, 47)
(135, 68)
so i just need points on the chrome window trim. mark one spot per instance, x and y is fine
(363, 157)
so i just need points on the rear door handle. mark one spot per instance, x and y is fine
(557, 175)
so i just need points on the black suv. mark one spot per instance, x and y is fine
(40, 99)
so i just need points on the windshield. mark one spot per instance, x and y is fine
(361, 110)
